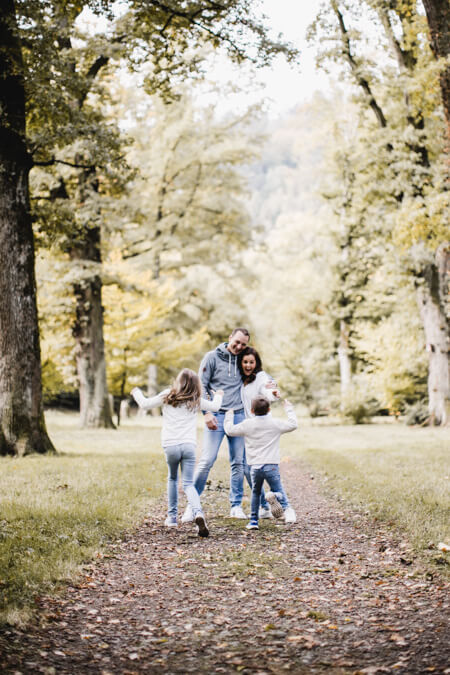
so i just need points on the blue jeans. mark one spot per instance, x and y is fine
(181, 455)
(270, 473)
(211, 444)
(264, 503)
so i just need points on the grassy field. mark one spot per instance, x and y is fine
(58, 512)
(397, 473)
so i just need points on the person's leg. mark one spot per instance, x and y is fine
(265, 506)
(236, 450)
(272, 476)
(211, 445)
(173, 456)
(187, 473)
(257, 476)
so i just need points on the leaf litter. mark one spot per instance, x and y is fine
(329, 594)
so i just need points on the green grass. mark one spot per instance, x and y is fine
(399, 474)
(58, 512)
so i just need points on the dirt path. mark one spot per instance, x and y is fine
(329, 594)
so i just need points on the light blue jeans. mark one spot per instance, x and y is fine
(211, 444)
(181, 455)
(270, 473)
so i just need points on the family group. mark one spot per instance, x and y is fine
(234, 393)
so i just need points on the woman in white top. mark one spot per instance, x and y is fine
(255, 382)
(180, 405)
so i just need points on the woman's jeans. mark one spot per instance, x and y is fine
(211, 444)
(184, 455)
(270, 473)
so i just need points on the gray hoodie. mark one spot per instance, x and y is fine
(219, 370)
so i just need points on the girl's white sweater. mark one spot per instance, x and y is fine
(179, 423)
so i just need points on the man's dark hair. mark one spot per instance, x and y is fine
(240, 330)
(260, 406)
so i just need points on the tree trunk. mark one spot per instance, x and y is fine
(431, 300)
(344, 360)
(22, 425)
(152, 386)
(438, 17)
(95, 410)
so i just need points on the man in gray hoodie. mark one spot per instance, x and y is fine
(219, 370)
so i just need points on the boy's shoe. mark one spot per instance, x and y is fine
(275, 506)
(289, 515)
(170, 521)
(264, 513)
(237, 512)
(253, 525)
(188, 515)
(202, 528)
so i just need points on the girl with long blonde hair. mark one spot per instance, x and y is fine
(180, 405)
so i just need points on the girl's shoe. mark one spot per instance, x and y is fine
(275, 506)
(202, 528)
(289, 515)
(170, 521)
(253, 525)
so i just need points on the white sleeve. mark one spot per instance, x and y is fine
(233, 429)
(211, 406)
(148, 403)
(291, 423)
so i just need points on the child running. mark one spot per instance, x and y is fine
(180, 405)
(262, 446)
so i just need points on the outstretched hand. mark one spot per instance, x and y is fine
(211, 421)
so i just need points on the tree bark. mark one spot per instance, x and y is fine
(22, 425)
(344, 360)
(438, 17)
(95, 410)
(436, 323)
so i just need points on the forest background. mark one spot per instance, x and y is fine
(164, 214)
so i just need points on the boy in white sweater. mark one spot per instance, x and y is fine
(262, 446)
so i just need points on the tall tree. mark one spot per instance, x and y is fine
(413, 184)
(22, 426)
(166, 34)
(438, 16)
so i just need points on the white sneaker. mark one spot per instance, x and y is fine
(275, 506)
(170, 522)
(265, 513)
(202, 528)
(188, 516)
(237, 512)
(289, 515)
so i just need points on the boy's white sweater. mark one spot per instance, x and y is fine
(179, 423)
(262, 435)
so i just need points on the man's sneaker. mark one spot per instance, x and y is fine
(237, 512)
(202, 528)
(253, 525)
(170, 521)
(275, 506)
(265, 513)
(289, 515)
(188, 515)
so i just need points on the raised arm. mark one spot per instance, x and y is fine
(291, 423)
(232, 429)
(148, 403)
(214, 405)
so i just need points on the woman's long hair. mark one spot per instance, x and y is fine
(258, 367)
(186, 390)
